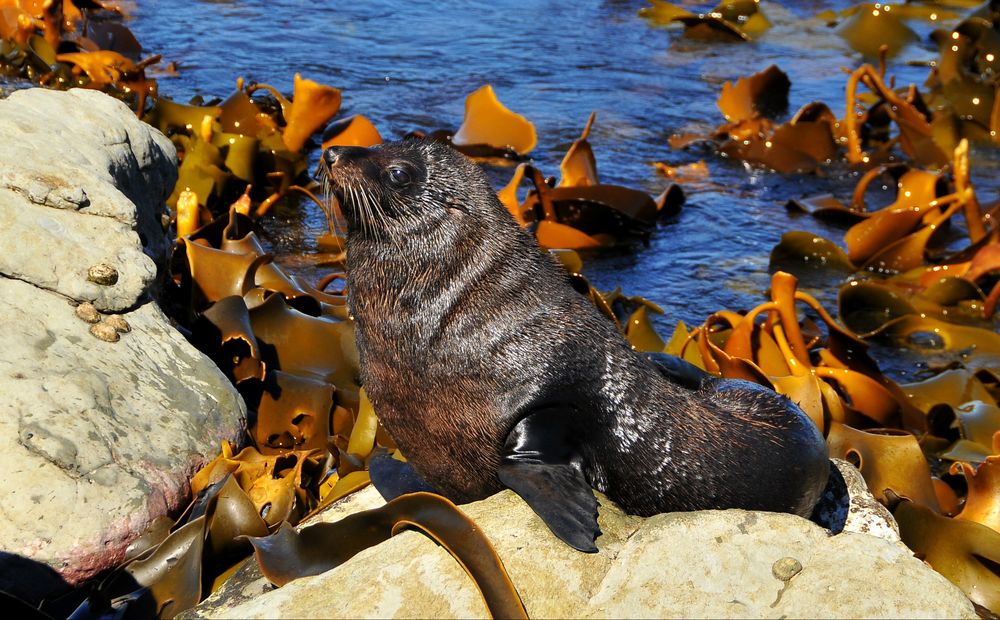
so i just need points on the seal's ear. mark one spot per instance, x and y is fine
(541, 466)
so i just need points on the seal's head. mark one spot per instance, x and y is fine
(399, 189)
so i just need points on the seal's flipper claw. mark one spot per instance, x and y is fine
(679, 371)
(560, 496)
(392, 478)
(543, 468)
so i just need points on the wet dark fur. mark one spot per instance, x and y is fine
(464, 326)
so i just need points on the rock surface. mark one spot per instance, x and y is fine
(848, 506)
(97, 438)
(75, 165)
(730, 563)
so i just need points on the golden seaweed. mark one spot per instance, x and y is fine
(763, 94)
(873, 26)
(488, 122)
(982, 505)
(172, 571)
(312, 105)
(312, 346)
(801, 252)
(579, 167)
(231, 515)
(889, 460)
(964, 552)
(293, 413)
(354, 130)
(581, 212)
(916, 136)
(289, 555)
(750, 134)
(731, 20)
(224, 333)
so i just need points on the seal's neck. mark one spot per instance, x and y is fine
(422, 265)
(412, 287)
(413, 266)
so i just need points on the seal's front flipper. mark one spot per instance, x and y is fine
(539, 465)
(560, 496)
(679, 371)
(392, 478)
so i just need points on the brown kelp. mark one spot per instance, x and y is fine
(731, 20)
(917, 285)
(903, 239)
(926, 449)
(873, 27)
(888, 124)
(67, 43)
(288, 555)
(252, 139)
(579, 212)
(963, 82)
(489, 131)
(751, 133)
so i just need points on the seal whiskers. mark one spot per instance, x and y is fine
(372, 217)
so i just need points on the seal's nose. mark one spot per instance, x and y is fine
(339, 154)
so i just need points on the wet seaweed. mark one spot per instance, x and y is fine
(927, 448)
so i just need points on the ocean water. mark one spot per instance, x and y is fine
(409, 65)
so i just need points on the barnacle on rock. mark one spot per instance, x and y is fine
(118, 322)
(105, 332)
(103, 274)
(87, 312)
(786, 568)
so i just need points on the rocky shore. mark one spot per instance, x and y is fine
(105, 419)
(709, 564)
(99, 433)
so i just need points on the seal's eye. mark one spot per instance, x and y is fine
(397, 176)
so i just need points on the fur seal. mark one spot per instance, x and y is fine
(489, 370)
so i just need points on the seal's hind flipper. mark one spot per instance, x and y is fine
(392, 478)
(679, 371)
(539, 465)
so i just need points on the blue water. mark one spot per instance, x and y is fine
(409, 65)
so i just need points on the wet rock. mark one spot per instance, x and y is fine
(696, 564)
(82, 190)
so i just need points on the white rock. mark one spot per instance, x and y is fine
(74, 166)
(96, 438)
(697, 564)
